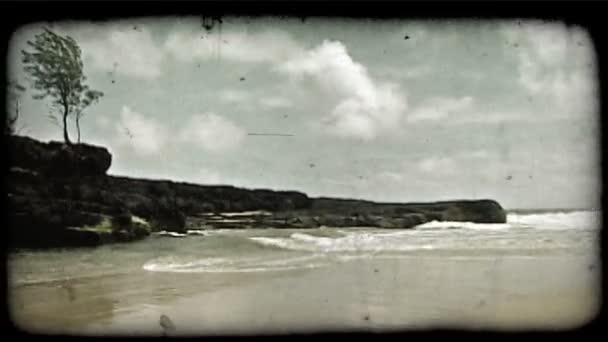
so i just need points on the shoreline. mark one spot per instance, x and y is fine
(493, 292)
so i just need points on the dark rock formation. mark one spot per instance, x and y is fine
(60, 196)
(58, 159)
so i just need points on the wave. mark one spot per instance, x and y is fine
(557, 220)
(440, 235)
(353, 242)
(197, 232)
(462, 225)
(172, 234)
(234, 265)
(552, 220)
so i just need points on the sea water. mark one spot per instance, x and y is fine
(317, 279)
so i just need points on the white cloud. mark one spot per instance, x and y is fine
(102, 121)
(122, 49)
(365, 107)
(556, 62)
(266, 46)
(438, 108)
(275, 102)
(148, 137)
(233, 96)
(476, 155)
(390, 176)
(410, 73)
(212, 133)
(464, 110)
(145, 135)
(436, 164)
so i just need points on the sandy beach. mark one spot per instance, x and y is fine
(472, 292)
(286, 174)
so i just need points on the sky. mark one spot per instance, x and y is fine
(384, 110)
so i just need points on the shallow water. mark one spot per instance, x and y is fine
(536, 271)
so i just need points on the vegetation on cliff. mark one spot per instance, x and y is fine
(57, 72)
(60, 195)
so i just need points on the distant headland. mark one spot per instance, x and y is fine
(60, 195)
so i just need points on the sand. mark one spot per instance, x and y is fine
(409, 292)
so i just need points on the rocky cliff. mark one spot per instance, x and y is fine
(60, 195)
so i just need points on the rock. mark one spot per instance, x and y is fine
(383, 222)
(169, 217)
(411, 220)
(122, 220)
(59, 195)
(303, 221)
(329, 220)
(482, 211)
(58, 159)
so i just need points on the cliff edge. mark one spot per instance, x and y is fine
(61, 195)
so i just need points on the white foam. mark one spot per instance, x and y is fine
(173, 234)
(197, 232)
(236, 265)
(171, 263)
(462, 225)
(352, 242)
(137, 219)
(560, 220)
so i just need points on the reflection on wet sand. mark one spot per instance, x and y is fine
(66, 306)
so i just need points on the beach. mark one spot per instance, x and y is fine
(508, 277)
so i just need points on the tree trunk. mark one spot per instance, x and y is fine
(17, 110)
(78, 128)
(66, 137)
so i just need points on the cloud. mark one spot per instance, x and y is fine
(145, 135)
(148, 137)
(436, 164)
(266, 46)
(365, 107)
(102, 121)
(233, 96)
(465, 110)
(212, 132)
(122, 49)
(556, 62)
(275, 102)
(438, 108)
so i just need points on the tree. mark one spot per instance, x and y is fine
(56, 68)
(89, 97)
(14, 91)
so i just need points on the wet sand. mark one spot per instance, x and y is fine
(475, 292)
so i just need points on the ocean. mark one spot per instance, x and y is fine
(539, 270)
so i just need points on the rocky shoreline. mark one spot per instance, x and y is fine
(61, 196)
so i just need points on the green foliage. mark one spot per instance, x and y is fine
(56, 69)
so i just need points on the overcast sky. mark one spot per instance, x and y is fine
(380, 110)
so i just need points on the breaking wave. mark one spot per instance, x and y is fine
(267, 251)
(435, 235)
(556, 220)
(352, 242)
(233, 265)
